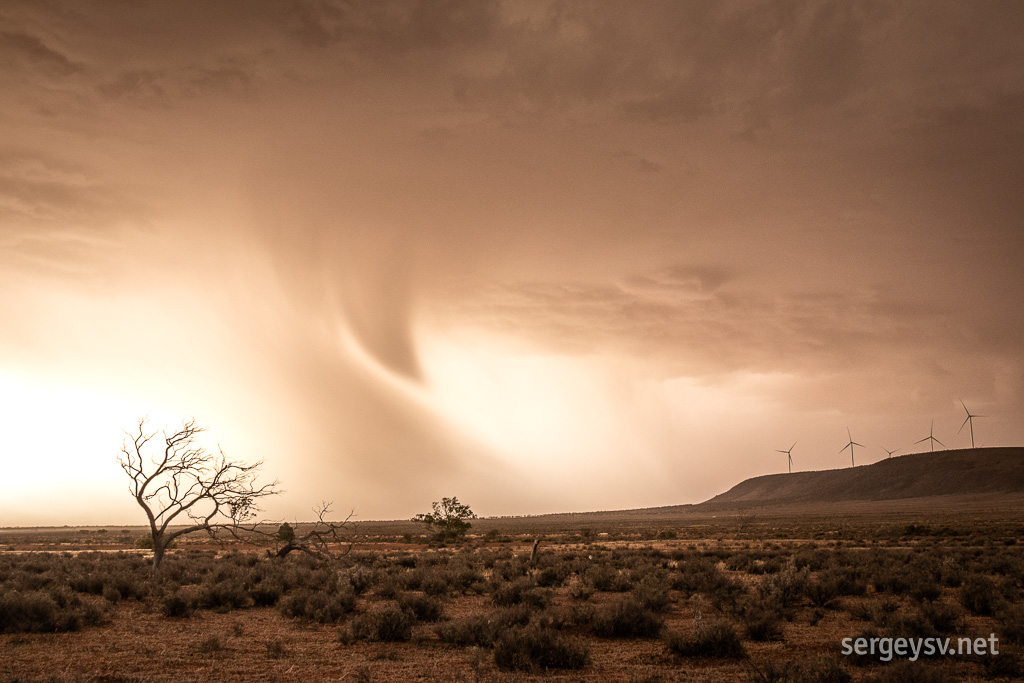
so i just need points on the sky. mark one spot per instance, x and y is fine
(541, 256)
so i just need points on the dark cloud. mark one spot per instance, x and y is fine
(24, 50)
(393, 26)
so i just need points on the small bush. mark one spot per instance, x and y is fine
(979, 595)
(1011, 624)
(478, 631)
(626, 618)
(942, 616)
(652, 594)
(32, 612)
(714, 639)
(532, 648)
(176, 605)
(761, 624)
(319, 606)
(210, 644)
(266, 593)
(422, 607)
(519, 591)
(390, 624)
(275, 649)
(580, 589)
(786, 587)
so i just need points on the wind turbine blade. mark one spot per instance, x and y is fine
(778, 451)
(964, 405)
(792, 447)
(966, 420)
(938, 442)
(922, 440)
(858, 444)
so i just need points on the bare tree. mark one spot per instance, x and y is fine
(189, 486)
(323, 539)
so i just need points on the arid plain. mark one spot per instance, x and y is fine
(751, 591)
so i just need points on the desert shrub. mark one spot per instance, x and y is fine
(360, 578)
(950, 573)
(713, 639)
(389, 624)
(519, 591)
(652, 594)
(533, 648)
(822, 593)
(762, 624)
(911, 625)
(320, 606)
(814, 559)
(422, 607)
(111, 594)
(435, 582)
(389, 587)
(925, 589)
(210, 644)
(90, 583)
(266, 593)
(626, 618)
(33, 612)
(1011, 623)
(275, 649)
(554, 575)
(41, 612)
(979, 595)
(482, 630)
(226, 595)
(606, 578)
(844, 580)
(561, 617)
(176, 605)
(477, 630)
(942, 616)
(784, 588)
(580, 589)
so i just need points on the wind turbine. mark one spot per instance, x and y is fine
(931, 437)
(888, 452)
(789, 454)
(850, 446)
(968, 419)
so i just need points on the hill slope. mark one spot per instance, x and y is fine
(919, 475)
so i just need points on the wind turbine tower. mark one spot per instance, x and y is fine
(931, 437)
(968, 420)
(789, 454)
(850, 445)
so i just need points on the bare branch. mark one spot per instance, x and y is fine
(212, 491)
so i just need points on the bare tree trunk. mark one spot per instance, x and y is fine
(158, 552)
